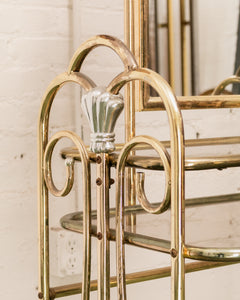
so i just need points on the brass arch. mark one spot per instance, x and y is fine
(43, 124)
(221, 87)
(113, 43)
(177, 176)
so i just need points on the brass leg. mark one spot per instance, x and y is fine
(103, 227)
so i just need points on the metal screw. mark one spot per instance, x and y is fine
(98, 160)
(112, 181)
(99, 235)
(98, 181)
(40, 295)
(173, 252)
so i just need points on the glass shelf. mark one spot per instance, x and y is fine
(200, 155)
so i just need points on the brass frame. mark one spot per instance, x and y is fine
(174, 166)
(136, 38)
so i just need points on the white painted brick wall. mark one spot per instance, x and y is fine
(35, 42)
(37, 39)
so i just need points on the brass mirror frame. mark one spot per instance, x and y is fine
(137, 39)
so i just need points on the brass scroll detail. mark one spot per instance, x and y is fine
(140, 178)
(67, 188)
(177, 179)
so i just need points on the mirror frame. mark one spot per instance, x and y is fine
(136, 33)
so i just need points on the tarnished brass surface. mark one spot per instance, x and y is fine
(174, 166)
(86, 195)
(102, 40)
(103, 227)
(191, 164)
(220, 88)
(70, 76)
(141, 196)
(136, 15)
(212, 254)
(43, 125)
(154, 163)
(135, 19)
(228, 140)
(170, 21)
(74, 222)
(198, 102)
(73, 289)
(177, 179)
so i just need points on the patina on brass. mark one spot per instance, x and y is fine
(45, 181)
(177, 178)
(174, 198)
(43, 128)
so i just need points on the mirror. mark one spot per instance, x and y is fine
(204, 42)
(193, 44)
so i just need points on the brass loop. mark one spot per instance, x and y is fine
(142, 198)
(113, 43)
(161, 150)
(221, 87)
(69, 163)
(50, 94)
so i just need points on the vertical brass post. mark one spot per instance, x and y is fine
(170, 44)
(103, 227)
(130, 107)
(192, 46)
(184, 52)
(43, 125)
(43, 218)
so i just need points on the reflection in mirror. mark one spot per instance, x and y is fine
(194, 44)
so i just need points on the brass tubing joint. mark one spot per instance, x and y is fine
(99, 181)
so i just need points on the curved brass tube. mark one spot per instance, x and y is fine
(102, 40)
(220, 88)
(177, 180)
(155, 144)
(86, 195)
(212, 254)
(43, 126)
(48, 171)
(164, 205)
(142, 198)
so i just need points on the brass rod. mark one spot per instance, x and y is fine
(43, 124)
(212, 254)
(74, 289)
(103, 227)
(130, 91)
(192, 47)
(76, 218)
(72, 152)
(184, 53)
(198, 102)
(221, 87)
(191, 164)
(74, 222)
